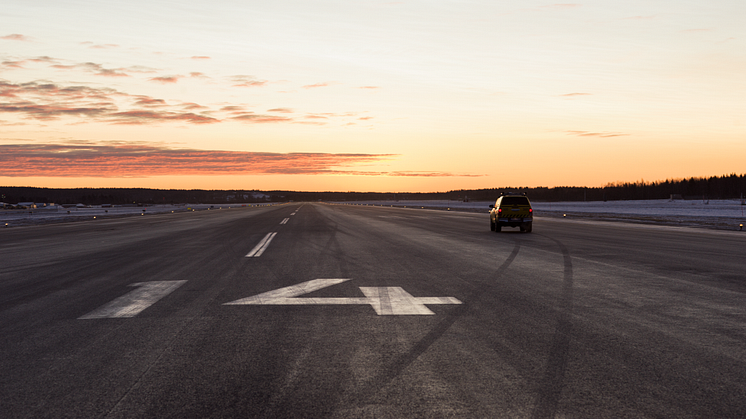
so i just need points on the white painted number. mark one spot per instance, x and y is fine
(386, 301)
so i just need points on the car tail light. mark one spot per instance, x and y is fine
(499, 210)
(530, 210)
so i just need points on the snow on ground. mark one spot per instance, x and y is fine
(56, 214)
(720, 214)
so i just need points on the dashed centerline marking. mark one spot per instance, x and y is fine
(262, 246)
(386, 301)
(285, 221)
(135, 301)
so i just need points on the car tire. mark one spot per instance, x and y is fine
(529, 227)
(498, 227)
(492, 226)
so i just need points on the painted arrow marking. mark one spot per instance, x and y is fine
(386, 301)
(135, 301)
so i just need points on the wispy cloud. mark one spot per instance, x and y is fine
(50, 112)
(94, 68)
(369, 87)
(260, 119)
(200, 57)
(165, 79)
(48, 101)
(104, 46)
(313, 86)
(575, 94)
(144, 117)
(138, 160)
(198, 75)
(150, 102)
(233, 109)
(16, 37)
(280, 110)
(247, 81)
(595, 134)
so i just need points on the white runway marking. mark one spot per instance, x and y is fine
(285, 221)
(292, 214)
(386, 301)
(135, 301)
(262, 246)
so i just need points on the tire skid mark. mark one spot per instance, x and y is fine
(549, 390)
(363, 396)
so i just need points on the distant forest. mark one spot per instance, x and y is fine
(716, 187)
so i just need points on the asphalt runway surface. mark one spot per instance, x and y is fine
(339, 311)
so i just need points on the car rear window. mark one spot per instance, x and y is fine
(515, 200)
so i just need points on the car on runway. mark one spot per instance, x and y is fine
(512, 210)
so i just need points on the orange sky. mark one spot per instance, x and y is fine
(370, 96)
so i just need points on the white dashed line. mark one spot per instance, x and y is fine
(135, 301)
(285, 221)
(262, 246)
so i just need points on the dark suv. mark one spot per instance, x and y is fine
(512, 210)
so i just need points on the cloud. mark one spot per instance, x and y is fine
(313, 86)
(16, 37)
(575, 94)
(142, 117)
(49, 112)
(429, 174)
(94, 68)
(13, 64)
(261, 119)
(200, 57)
(233, 109)
(192, 106)
(51, 90)
(165, 79)
(140, 160)
(366, 118)
(369, 87)
(149, 101)
(196, 74)
(280, 110)
(247, 81)
(48, 101)
(104, 46)
(596, 134)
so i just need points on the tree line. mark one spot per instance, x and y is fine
(715, 187)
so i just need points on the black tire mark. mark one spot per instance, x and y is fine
(368, 391)
(549, 391)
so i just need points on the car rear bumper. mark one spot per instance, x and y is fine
(514, 221)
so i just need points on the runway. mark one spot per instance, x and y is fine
(319, 310)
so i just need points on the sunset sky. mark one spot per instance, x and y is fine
(369, 95)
